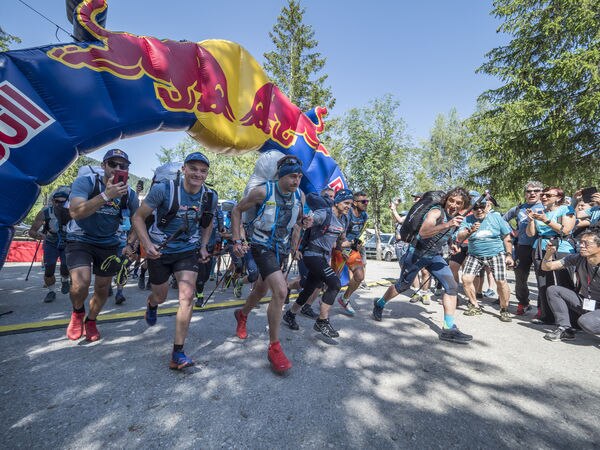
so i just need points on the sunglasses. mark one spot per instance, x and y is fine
(478, 207)
(545, 194)
(288, 161)
(533, 191)
(587, 243)
(364, 202)
(114, 165)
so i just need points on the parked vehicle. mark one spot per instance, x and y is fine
(388, 252)
(22, 230)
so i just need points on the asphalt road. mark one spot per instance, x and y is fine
(392, 384)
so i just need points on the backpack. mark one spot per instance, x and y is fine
(416, 215)
(316, 202)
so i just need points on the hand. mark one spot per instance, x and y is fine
(550, 250)
(538, 216)
(115, 190)
(129, 251)
(473, 228)
(596, 198)
(152, 251)
(297, 256)
(307, 222)
(510, 262)
(454, 222)
(392, 206)
(204, 256)
(454, 249)
(238, 249)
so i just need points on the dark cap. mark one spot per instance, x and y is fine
(116, 153)
(197, 156)
(418, 194)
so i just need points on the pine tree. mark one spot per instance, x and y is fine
(294, 65)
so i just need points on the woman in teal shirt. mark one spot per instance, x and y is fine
(556, 221)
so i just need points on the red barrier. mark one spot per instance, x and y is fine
(23, 251)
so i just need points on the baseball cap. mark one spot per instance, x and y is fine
(116, 153)
(197, 156)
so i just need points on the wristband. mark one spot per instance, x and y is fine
(237, 241)
(104, 196)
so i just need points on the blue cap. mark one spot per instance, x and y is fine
(342, 195)
(197, 156)
(116, 153)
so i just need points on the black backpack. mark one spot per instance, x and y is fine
(416, 215)
(316, 202)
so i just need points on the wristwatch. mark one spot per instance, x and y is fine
(237, 241)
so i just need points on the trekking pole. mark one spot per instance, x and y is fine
(33, 260)
(287, 272)
(219, 281)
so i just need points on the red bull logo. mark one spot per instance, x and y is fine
(197, 86)
(20, 119)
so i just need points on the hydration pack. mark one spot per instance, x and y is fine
(416, 215)
(316, 202)
(94, 173)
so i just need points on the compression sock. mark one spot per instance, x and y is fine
(178, 348)
(381, 302)
(448, 321)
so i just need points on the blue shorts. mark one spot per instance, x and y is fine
(435, 264)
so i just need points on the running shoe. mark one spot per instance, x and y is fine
(290, 319)
(241, 319)
(455, 335)
(180, 361)
(522, 309)
(346, 306)
(473, 310)
(560, 334)
(91, 331)
(119, 298)
(75, 328)
(538, 317)
(308, 311)
(426, 298)
(279, 362)
(65, 287)
(200, 302)
(151, 315)
(50, 297)
(324, 327)
(505, 315)
(377, 311)
(237, 289)
(490, 293)
(416, 297)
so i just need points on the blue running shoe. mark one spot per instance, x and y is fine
(151, 315)
(180, 361)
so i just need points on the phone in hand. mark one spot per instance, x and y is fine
(586, 194)
(555, 241)
(120, 176)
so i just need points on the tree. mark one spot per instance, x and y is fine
(6, 39)
(375, 148)
(448, 156)
(544, 121)
(293, 65)
(227, 174)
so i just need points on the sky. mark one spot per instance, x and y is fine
(425, 53)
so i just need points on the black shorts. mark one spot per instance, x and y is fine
(460, 257)
(159, 270)
(82, 254)
(266, 260)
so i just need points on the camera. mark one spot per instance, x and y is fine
(555, 241)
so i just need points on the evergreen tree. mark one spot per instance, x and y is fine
(294, 66)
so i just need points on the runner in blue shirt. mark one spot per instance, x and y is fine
(96, 206)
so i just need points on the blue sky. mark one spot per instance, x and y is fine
(424, 53)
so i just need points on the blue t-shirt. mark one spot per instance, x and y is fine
(488, 239)
(355, 224)
(101, 227)
(519, 213)
(594, 214)
(544, 231)
(188, 215)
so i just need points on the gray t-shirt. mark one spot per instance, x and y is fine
(589, 276)
(325, 242)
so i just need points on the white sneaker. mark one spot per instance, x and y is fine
(346, 306)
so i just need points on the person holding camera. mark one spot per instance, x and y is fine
(524, 247)
(584, 301)
(96, 206)
(401, 247)
(590, 217)
(178, 246)
(490, 245)
(554, 223)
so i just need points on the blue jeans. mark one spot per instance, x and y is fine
(437, 266)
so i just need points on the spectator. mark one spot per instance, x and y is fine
(584, 300)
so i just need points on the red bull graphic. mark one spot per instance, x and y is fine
(61, 101)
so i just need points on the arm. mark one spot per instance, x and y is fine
(81, 207)
(508, 248)
(530, 230)
(138, 221)
(34, 231)
(255, 197)
(429, 227)
(205, 235)
(395, 214)
(547, 263)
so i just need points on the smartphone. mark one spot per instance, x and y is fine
(120, 176)
(586, 194)
(555, 241)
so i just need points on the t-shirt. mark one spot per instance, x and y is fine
(544, 231)
(101, 227)
(589, 276)
(188, 216)
(488, 239)
(355, 225)
(434, 245)
(519, 213)
(594, 215)
(326, 241)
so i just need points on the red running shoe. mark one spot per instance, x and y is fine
(75, 328)
(241, 319)
(91, 332)
(522, 309)
(279, 362)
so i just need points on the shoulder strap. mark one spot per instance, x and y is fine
(173, 203)
(269, 192)
(46, 227)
